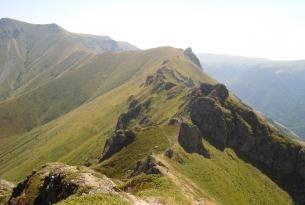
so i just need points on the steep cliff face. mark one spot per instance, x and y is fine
(225, 122)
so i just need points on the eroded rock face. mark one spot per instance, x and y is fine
(228, 123)
(54, 188)
(116, 142)
(190, 138)
(211, 120)
(147, 166)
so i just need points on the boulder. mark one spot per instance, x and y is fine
(190, 138)
(118, 140)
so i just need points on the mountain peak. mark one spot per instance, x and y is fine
(189, 53)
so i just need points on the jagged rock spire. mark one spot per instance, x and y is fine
(189, 53)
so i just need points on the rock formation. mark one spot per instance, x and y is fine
(189, 53)
(118, 140)
(226, 122)
(190, 138)
(56, 181)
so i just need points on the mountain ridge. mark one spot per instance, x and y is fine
(151, 121)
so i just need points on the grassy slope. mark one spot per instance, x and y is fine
(85, 127)
(80, 135)
(32, 54)
(101, 74)
(228, 179)
(95, 199)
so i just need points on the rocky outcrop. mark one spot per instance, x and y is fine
(190, 138)
(125, 118)
(118, 140)
(210, 118)
(227, 122)
(189, 53)
(134, 109)
(122, 137)
(169, 153)
(56, 181)
(165, 79)
(6, 189)
(147, 166)
(54, 188)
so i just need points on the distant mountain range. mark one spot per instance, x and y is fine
(276, 88)
(32, 55)
(89, 120)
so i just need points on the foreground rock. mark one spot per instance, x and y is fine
(190, 138)
(56, 181)
(226, 122)
(6, 189)
(116, 142)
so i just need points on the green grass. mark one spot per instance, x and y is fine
(79, 136)
(123, 162)
(228, 179)
(95, 199)
(155, 185)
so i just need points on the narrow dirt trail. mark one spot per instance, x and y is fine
(189, 189)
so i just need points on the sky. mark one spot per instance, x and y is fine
(273, 29)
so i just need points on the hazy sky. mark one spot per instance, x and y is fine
(260, 28)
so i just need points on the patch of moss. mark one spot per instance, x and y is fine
(95, 199)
